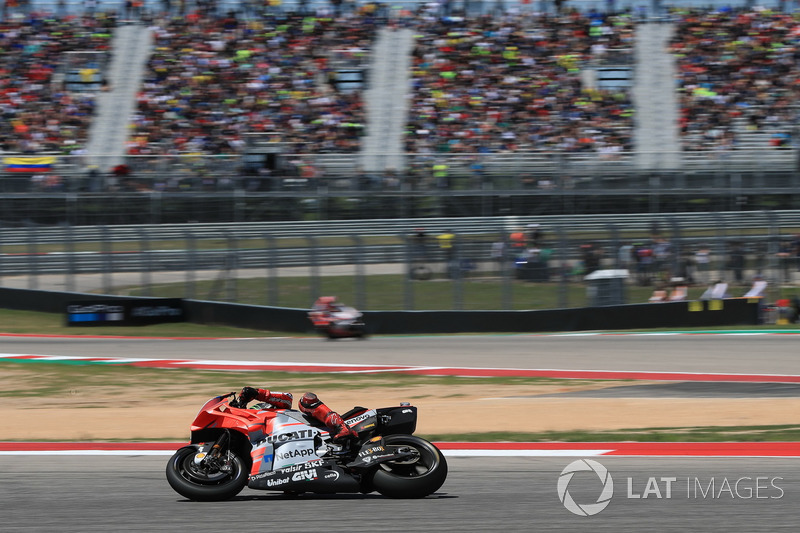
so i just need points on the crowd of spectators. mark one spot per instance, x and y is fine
(505, 82)
(38, 113)
(211, 80)
(736, 67)
(513, 82)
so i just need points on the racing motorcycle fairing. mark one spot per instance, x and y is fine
(287, 441)
(376, 451)
(320, 476)
(325, 475)
(396, 420)
(286, 450)
(219, 414)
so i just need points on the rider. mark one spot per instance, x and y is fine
(327, 304)
(309, 404)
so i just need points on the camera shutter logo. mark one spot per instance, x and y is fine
(588, 509)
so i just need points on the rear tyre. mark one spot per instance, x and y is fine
(205, 483)
(417, 477)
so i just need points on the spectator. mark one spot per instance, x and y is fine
(513, 83)
(702, 262)
(39, 115)
(419, 245)
(734, 64)
(249, 77)
(736, 262)
(447, 244)
(785, 260)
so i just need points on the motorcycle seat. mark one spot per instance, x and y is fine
(354, 411)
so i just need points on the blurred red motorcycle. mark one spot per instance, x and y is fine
(336, 321)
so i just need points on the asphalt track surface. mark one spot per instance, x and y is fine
(747, 354)
(130, 493)
(83, 494)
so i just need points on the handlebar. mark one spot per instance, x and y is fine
(237, 401)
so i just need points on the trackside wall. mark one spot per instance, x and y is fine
(729, 312)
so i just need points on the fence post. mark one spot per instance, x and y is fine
(614, 233)
(272, 275)
(561, 261)
(191, 261)
(232, 263)
(773, 246)
(360, 281)
(108, 262)
(721, 253)
(146, 262)
(678, 267)
(506, 274)
(33, 266)
(69, 275)
(155, 207)
(313, 264)
(408, 286)
(457, 274)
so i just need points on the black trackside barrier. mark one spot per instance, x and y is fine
(131, 312)
(136, 311)
(248, 316)
(730, 312)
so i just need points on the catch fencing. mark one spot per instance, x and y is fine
(384, 265)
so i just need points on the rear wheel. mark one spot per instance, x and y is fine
(206, 480)
(415, 477)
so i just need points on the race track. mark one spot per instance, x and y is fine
(84, 494)
(754, 354)
(509, 494)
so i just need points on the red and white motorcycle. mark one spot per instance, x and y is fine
(233, 447)
(336, 321)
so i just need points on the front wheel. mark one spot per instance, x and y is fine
(415, 477)
(200, 480)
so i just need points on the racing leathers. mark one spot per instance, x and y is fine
(309, 404)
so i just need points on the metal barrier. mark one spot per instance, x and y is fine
(381, 264)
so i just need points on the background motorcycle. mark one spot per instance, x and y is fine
(285, 450)
(342, 323)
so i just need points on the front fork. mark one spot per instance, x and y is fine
(217, 457)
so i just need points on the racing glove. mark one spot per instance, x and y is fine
(247, 395)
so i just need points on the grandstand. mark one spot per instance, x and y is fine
(347, 116)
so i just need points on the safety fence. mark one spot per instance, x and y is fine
(459, 264)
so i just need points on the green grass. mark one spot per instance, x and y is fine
(387, 293)
(62, 377)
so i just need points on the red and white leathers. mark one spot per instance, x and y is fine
(280, 400)
(310, 405)
(313, 406)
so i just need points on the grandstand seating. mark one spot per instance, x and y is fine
(40, 114)
(507, 85)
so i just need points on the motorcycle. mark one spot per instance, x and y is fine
(343, 322)
(264, 448)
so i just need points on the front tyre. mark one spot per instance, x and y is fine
(423, 474)
(206, 481)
